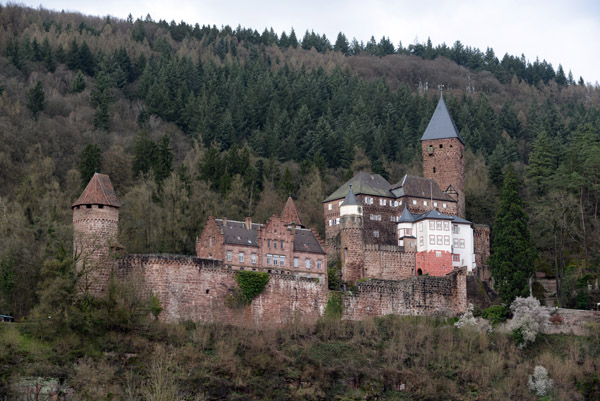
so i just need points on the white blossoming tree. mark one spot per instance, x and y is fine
(528, 319)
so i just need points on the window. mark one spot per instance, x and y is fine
(329, 207)
(295, 262)
(446, 240)
(439, 225)
(438, 254)
(421, 240)
(444, 205)
(307, 263)
(400, 203)
(434, 170)
(241, 257)
(268, 243)
(414, 202)
(432, 225)
(441, 146)
(269, 259)
(375, 233)
(275, 260)
(382, 202)
(319, 264)
(425, 203)
(340, 203)
(210, 242)
(455, 243)
(446, 226)
(421, 226)
(440, 239)
(456, 258)
(275, 244)
(368, 200)
(282, 244)
(229, 256)
(330, 222)
(462, 244)
(434, 204)
(337, 221)
(282, 260)
(253, 258)
(432, 240)
(455, 228)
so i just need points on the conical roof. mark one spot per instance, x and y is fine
(350, 199)
(441, 125)
(290, 213)
(406, 216)
(99, 191)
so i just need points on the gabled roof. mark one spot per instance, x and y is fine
(419, 187)
(363, 183)
(236, 233)
(99, 191)
(306, 241)
(350, 199)
(441, 125)
(434, 214)
(290, 213)
(406, 216)
(460, 220)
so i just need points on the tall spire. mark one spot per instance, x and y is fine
(441, 125)
(289, 213)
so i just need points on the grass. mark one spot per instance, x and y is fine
(387, 358)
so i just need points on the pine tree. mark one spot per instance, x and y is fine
(36, 100)
(145, 153)
(89, 163)
(164, 160)
(511, 261)
(78, 83)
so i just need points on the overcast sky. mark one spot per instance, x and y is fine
(560, 31)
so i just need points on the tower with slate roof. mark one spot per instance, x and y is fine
(96, 227)
(442, 148)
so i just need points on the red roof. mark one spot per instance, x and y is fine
(99, 191)
(290, 213)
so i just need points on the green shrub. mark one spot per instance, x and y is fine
(335, 306)
(154, 306)
(250, 285)
(496, 314)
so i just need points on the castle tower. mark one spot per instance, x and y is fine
(351, 236)
(443, 161)
(95, 230)
(289, 214)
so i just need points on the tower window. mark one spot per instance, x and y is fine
(430, 149)
(434, 170)
(441, 146)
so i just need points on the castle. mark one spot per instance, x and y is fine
(404, 248)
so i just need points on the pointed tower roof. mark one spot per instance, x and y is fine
(350, 198)
(290, 213)
(441, 125)
(406, 216)
(99, 191)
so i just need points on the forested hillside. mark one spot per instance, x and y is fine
(192, 121)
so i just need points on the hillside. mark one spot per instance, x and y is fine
(198, 121)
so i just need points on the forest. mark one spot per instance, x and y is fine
(193, 121)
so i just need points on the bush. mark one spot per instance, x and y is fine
(335, 306)
(539, 383)
(250, 285)
(527, 321)
(496, 314)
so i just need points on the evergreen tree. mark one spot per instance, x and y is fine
(78, 83)
(89, 163)
(341, 44)
(36, 100)
(145, 153)
(164, 160)
(511, 261)
(293, 39)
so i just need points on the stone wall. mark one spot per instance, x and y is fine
(388, 262)
(437, 296)
(191, 288)
(481, 244)
(571, 321)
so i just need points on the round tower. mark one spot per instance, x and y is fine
(351, 236)
(442, 148)
(95, 231)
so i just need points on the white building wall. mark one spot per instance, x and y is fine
(466, 254)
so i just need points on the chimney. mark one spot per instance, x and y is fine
(248, 221)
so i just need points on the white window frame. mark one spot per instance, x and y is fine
(229, 256)
(253, 258)
(440, 240)
(444, 205)
(307, 263)
(296, 262)
(269, 257)
(438, 225)
(375, 233)
(424, 203)
(446, 240)
(241, 257)
(446, 226)
(282, 260)
(319, 264)
(431, 239)
(275, 260)
(434, 204)
(329, 207)
(414, 201)
(431, 225)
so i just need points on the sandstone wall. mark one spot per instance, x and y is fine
(571, 321)
(388, 262)
(441, 296)
(191, 288)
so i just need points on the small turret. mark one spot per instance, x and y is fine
(351, 237)
(95, 231)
